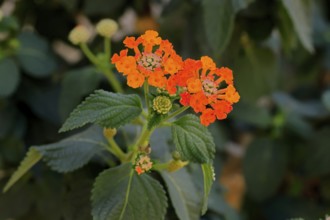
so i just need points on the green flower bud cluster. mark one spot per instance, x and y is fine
(162, 104)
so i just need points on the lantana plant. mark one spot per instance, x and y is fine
(171, 86)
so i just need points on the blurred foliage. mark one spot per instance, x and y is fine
(279, 51)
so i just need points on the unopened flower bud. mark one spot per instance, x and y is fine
(106, 27)
(162, 104)
(176, 155)
(109, 132)
(79, 34)
(175, 165)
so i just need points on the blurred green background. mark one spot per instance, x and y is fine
(273, 152)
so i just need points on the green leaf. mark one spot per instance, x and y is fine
(252, 114)
(155, 119)
(317, 161)
(73, 152)
(264, 167)
(256, 72)
(219, 22)
(75, 85)
(120, 194)
(9, 77)
(208, 178)
(326, 99)
(286, 29)
(35, 55)
(301, 19)
(219, 16)
(183, 194)
(193, 140)
(32, 157)
(106, 109)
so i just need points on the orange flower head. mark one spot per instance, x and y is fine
(207, 89)
(154, 61)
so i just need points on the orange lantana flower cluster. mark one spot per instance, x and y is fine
(155, 62)
(207, 89)
(199, 83)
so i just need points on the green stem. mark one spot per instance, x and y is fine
(144, 138)
(177, 112)
(146, 92)
(115, 149)
(107, 47)
(160, 166)
(89, 53)
(113, 81)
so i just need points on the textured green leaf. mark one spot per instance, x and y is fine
(35, 55)
(219, 22)
(301, 19)
(155, 119)
(75, 85)
(183, 194)
(219, 18)
(317, 161)
(120, 194)
(106, 109)
(9, 77)
(264, 167)
(73, 152)
(208, 178)
(193, 140)
(32, 157)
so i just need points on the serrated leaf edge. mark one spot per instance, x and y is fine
(32, 157)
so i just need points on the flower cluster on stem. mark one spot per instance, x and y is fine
(199, 84)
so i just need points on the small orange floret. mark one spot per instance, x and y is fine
(157, 79)
(207, 117)
(198, 102)
(172, 66)
(135, 80)
(126, 65)
(185, 98)
(207, 63)
(231, 94)
(221, 109)
(226, 74)
(194, 85)
(139, 170)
